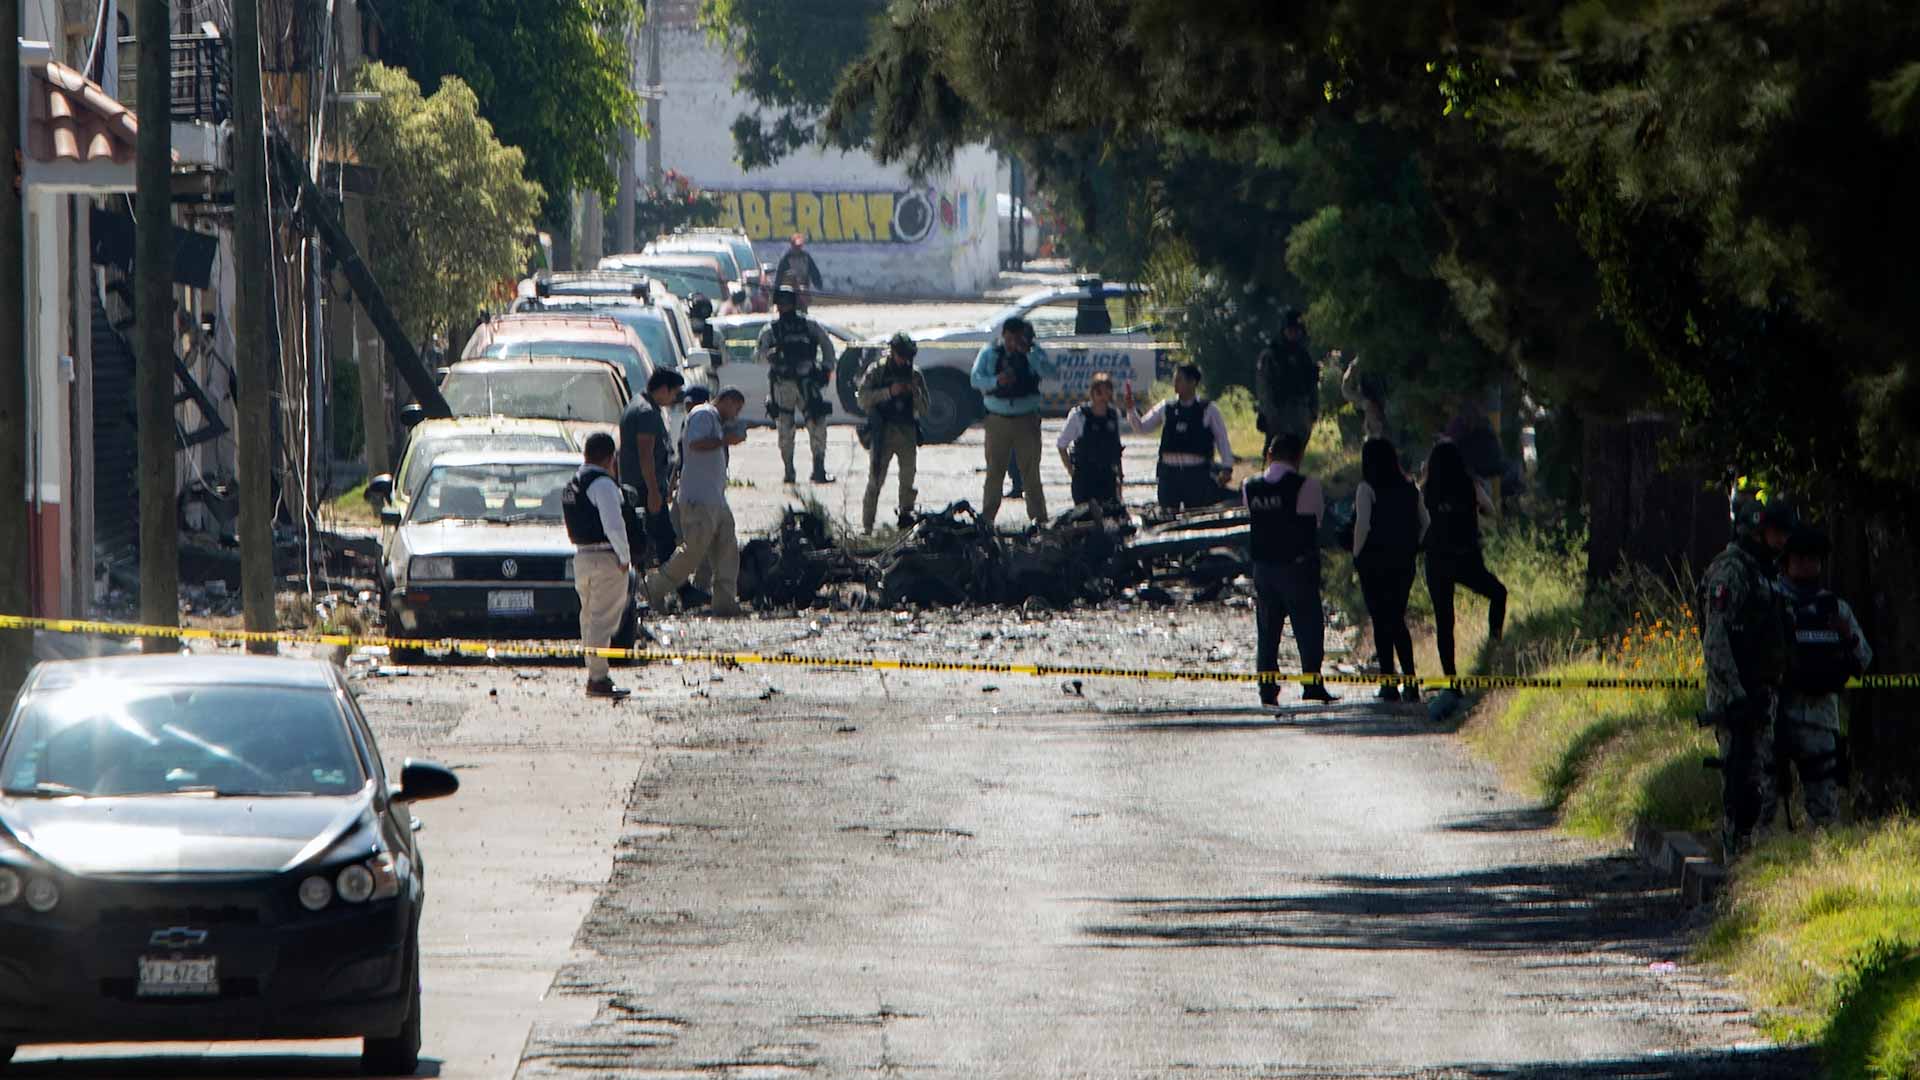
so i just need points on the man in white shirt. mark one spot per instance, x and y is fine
(591, 507)
(706, 521)
(1193, 435)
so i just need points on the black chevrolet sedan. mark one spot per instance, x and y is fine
(201, 848)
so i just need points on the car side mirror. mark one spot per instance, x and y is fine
(412, 413)
(423, 780)
(390, 515)
(379, 490)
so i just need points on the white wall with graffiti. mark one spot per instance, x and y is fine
(872, 230)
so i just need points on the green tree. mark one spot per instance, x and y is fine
(453, 212)
(554, 77)
(791, 54)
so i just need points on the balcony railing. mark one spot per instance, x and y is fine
(200, 72)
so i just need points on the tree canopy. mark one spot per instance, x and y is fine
(555, 77)
(791, 54)
(453, 213)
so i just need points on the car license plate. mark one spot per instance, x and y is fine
(178, 976)
(510, 602)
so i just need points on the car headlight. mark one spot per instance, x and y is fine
(9, 887)
(42, 894)
(355, 884)
(315, 893)
(430, 568)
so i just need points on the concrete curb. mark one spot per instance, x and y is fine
(1683, 860)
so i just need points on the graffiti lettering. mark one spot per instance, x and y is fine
(837, 217)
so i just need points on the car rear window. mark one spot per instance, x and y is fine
(126, 739)
(535, 392)
(504, 494)
(630, 362)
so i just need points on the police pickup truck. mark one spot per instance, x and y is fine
(1086, 327)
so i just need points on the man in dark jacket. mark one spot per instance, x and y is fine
(799, 272)
(1287, 381)
(1286, 508)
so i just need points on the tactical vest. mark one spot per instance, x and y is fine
(1281, 534)
(1099, 444)
(1185, 430)
(895, 410)
(1821, 662)
(795, 352)
(1760, 631)
(584, 526)
(1393, 532)
(1025, 382)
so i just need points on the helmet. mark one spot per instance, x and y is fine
(1754, 512)
(904, 344)
(785, 295)
(700, 307)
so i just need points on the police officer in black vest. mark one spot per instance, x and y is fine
(1286, 508)
(1193, 443)
(1828, 649)
(591, 507)
(1090, 445)
(799, 358)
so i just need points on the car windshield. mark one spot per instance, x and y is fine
(743, 254)
(420, 463)
(651, 325)
(127, 739)
(631, 365)
(683, 280)
(504, 494)
(542, 393)
(723, 252)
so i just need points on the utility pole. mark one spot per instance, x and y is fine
(655, 176)
(253, 361)
(16, 646)
(623, 238)
(153, 292)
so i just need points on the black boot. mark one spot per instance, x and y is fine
(820, 472)
(905, 521)
(790, 474)
(1388, 692)
(1317, 691)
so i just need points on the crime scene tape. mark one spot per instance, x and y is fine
(469, 647)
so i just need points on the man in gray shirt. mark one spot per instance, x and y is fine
(706, 522)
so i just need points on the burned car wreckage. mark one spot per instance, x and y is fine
(947, 559)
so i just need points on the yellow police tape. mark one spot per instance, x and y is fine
(548, 650)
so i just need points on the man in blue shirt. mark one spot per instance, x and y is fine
(1008, 374)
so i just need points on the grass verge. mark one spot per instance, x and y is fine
(351, 506)
(1823, 933)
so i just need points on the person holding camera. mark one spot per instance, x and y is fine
(895, 397)
(1008, 374)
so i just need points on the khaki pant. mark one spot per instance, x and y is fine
(790, 407)
(1013, 438)
(602, 584)
(892, 441)
(705, 531)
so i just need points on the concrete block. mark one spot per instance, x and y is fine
(1701, 881)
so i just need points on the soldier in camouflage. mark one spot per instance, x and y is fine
(798, 356)
(1828, 649)
(1746, 640)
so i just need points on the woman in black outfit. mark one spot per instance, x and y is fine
(1388, 521)
(1454, 503)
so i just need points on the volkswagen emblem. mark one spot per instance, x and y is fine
(177, 937)
(509, 568)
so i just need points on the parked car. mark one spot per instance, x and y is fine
(431, 439)
(482, 551)
(579, 335)
(207, 848)
(716, 246)
(1090, 326)
(683, 275)
(738, 242)
(741, 334)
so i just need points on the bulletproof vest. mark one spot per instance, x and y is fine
(1185, 430)
(1025, 382)
(1821, 662)
(1099, 444)
(584, 526)
(896, 410)
(1393, 533)
(795, 352)
(1455, 525)
(1281, 534)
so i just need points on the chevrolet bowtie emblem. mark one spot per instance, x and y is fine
(177, 937)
